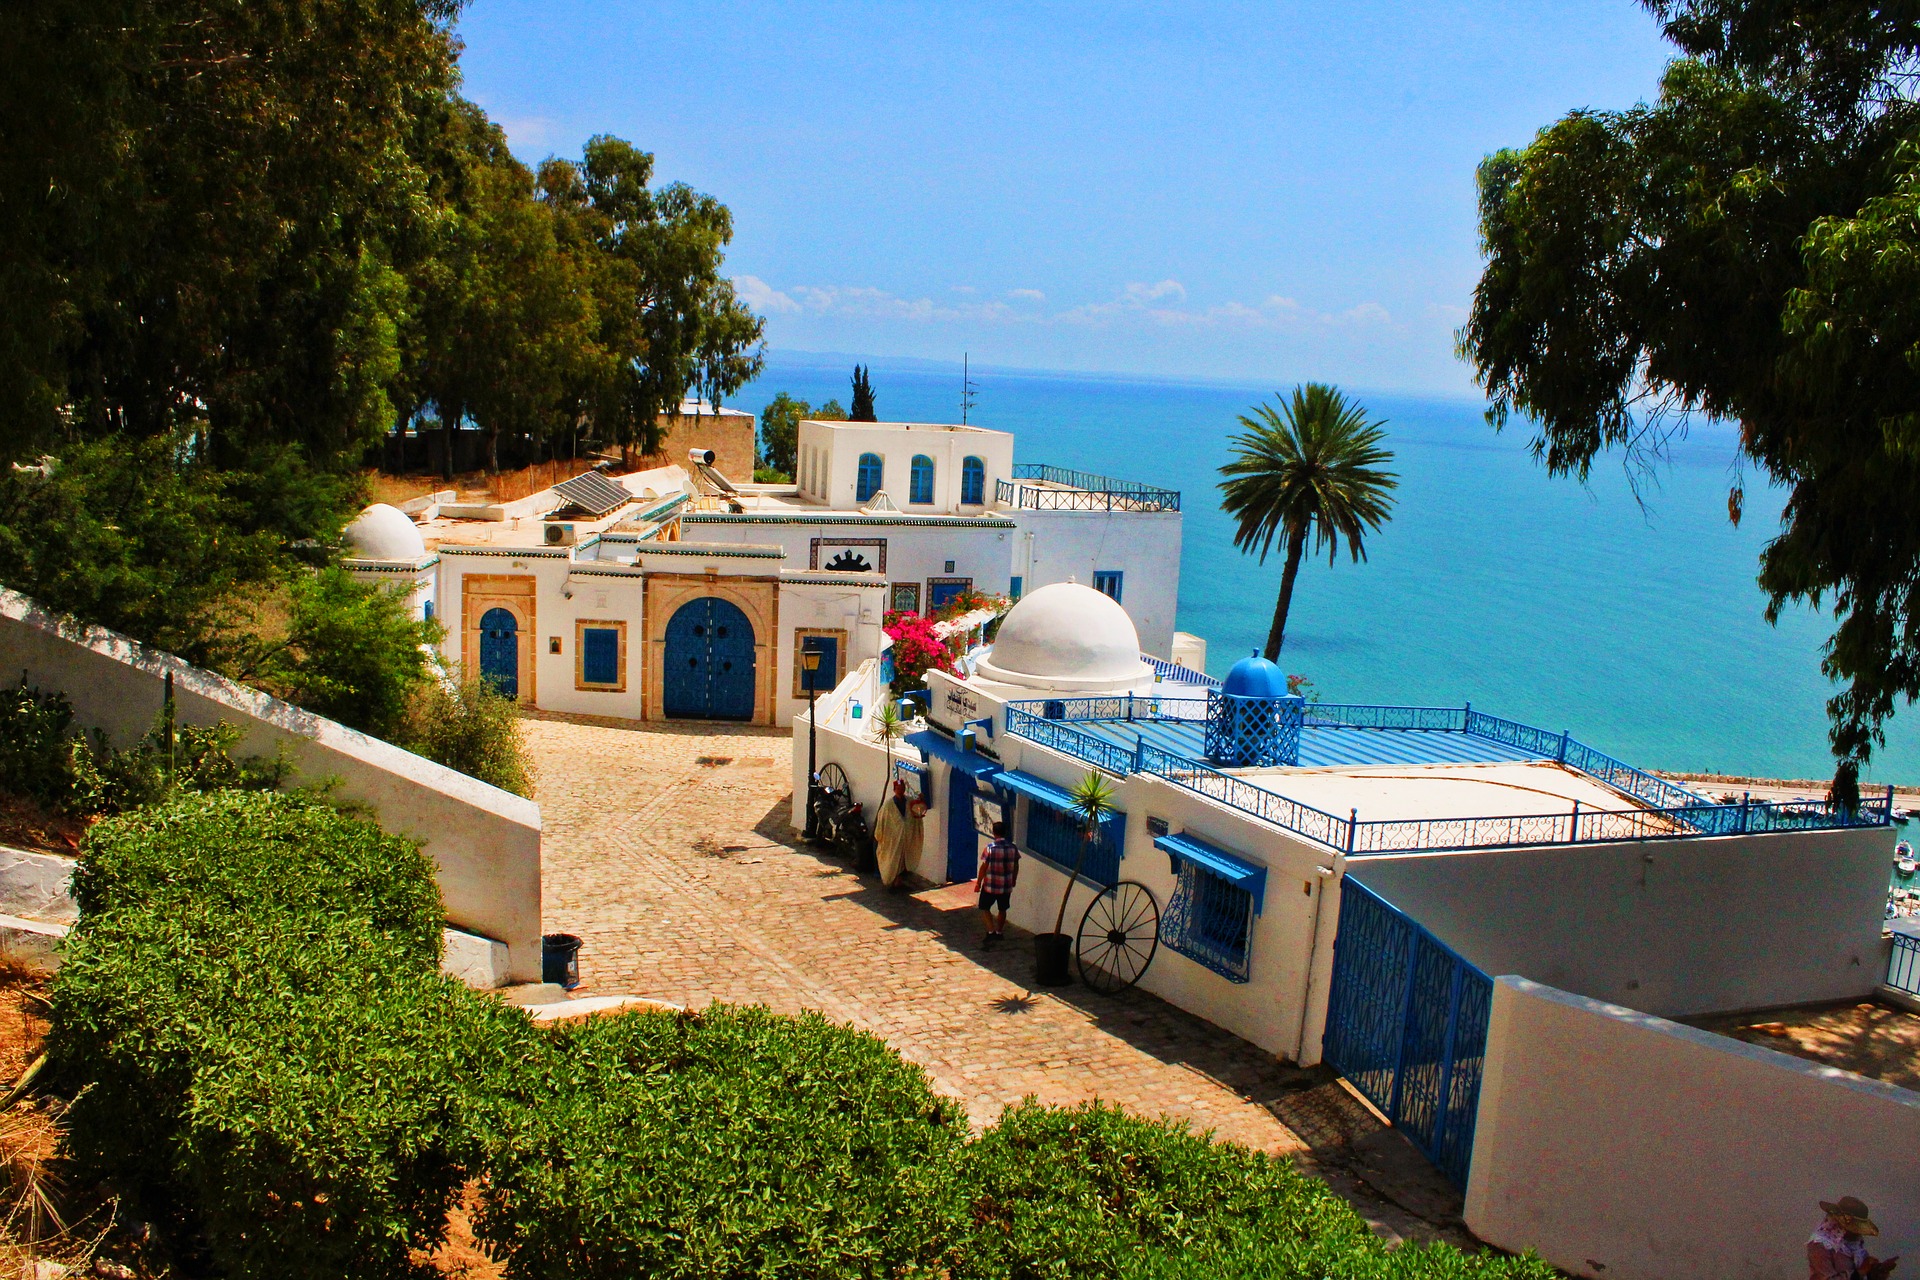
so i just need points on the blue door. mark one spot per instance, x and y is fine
(963, 839)
(500, 652)
(708, 669)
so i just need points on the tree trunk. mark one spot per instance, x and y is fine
(1277, 636)
(446, 447)
(493, 449)
(1060, 916)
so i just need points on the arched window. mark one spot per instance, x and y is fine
(871, 476)
(973, 482)
(922, 489)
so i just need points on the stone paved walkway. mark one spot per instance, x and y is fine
(667, 850)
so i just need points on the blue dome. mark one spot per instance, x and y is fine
(1255, 677)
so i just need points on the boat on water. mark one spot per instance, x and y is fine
(1903, 860)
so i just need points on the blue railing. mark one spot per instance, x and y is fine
(1669, 812)
(1903, 965)
(1080, 491)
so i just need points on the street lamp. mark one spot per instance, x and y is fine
(810, 663)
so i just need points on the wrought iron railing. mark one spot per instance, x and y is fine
(1210, 921)
(1903, 965)
(1079, 491)
(1050, 723)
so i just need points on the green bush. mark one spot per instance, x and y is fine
(732, 1142)
(33, 745)
(1090, 1191)
(354, 652)
(103, 780)
(285, 859)
(472, 728)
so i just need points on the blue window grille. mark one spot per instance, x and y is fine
(973, 482)
(824, 678)
(1107, 583)
(920, 489)
(1055, 837)
(1210, 921)
(600, 655)
(1903, 965)
(1013, 588)
(872, 477)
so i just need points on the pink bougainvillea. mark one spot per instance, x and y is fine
(916, 650)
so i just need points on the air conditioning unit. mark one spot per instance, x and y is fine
(559, 535)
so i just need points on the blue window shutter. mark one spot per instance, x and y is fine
(973, 482)
(428, 614)
(600, 655)
(872, 477)
(1107, 583)
(1013, 588)
(922, 485)
(828, 675)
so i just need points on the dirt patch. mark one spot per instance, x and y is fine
(25, 825)
(1868, 1038)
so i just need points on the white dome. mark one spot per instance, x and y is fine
(382, 532)
(1069, 638)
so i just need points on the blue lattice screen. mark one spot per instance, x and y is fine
(1253, 731)
(1210, 921)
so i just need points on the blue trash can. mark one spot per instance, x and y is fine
(560, 959)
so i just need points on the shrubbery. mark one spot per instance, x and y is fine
(267, 1066)
(730, 1142)
(472, 728)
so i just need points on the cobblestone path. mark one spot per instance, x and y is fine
(667, 850)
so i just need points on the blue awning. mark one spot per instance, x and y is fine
(943, 748)
(1250, 876)
(1037, 789)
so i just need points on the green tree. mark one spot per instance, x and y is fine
(668, 321)
(862, 410)
(1307, 471)
(780, 432)
(353, 652)
(1743, 248)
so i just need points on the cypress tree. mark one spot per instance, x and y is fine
(862, 410)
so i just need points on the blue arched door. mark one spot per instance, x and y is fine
(707, 673)
(500, 651)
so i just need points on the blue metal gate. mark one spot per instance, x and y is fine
(963, 838)
(500, 651)
(1407, 1025)
(707, 673)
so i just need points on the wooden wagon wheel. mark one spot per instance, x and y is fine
(1118, 937)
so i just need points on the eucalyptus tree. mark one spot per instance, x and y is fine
(1308, 471)
(1745, 248)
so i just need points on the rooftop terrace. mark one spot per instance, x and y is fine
(1383, 779)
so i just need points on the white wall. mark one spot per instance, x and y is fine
(826, 601)
(485, 842)
(1622, 1146)
(980, 549)
(1675, 927)
(850, 744)
(1143, 545)
(831, 451)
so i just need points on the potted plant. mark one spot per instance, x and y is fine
(1092, 801)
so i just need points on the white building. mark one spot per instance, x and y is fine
(675, 593)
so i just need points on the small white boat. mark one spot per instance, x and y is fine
(1903, 859)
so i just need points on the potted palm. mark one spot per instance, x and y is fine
(1091, 800)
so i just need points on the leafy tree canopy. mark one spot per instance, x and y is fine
(1744, 248)
(780, 429)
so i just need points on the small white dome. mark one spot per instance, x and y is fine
(1068, 638)
(382, 532)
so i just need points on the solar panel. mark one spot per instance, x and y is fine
(593, 493)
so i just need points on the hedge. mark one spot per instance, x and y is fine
(731, 1142)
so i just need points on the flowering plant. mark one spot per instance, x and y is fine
(916, 650)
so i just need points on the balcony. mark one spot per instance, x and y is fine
(1038, 487)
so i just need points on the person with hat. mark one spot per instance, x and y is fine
(1838, 1247)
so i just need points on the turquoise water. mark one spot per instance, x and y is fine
(1538, 599)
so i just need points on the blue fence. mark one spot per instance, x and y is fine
(1667, 811)
(1903, 966)
(1407, 1026)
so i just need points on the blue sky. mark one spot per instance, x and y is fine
(1249, 191)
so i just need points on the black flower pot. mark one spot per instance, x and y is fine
(1051, 955)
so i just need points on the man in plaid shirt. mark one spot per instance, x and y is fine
(999, 872)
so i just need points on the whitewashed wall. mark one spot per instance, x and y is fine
(1053, 546)
(1675, 927)
(830, 460)
(840, 602)
(484, 842)
(1623, 1146)
(917, 549)
(848, 743)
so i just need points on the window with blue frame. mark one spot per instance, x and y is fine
(941, 591)
(1107, 583)
(1055, 837)
(921, 487)
(871, 479)
(829, 645)
(601, 656)
(427, 611)
(1013, 587)
(973, 482)
(1210, 921)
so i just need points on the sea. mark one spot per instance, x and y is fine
(1624, 609)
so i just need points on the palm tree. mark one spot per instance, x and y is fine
(1309, 469)
(1092, 799)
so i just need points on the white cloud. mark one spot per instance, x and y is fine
(1026, 295)
(763, 297)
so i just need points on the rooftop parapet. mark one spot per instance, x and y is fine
(1038, 487)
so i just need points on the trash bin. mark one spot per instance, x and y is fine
(560, 959)
(1051, 952)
